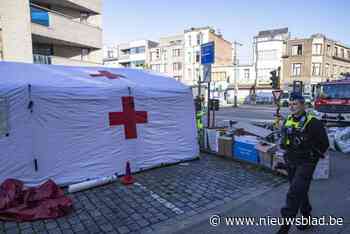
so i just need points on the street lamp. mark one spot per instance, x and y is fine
(235, 64)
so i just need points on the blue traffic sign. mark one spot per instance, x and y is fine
(208, 53)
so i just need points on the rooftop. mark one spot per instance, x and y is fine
(272, 32)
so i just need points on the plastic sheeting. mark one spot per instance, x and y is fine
(60, 128)
(342, 140)
(20, 204)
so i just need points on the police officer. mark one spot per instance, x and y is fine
(305, 140)
(199, 122)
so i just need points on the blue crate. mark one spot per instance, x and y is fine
(245, 151)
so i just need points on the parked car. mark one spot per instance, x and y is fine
(284, 99)
(308, 100)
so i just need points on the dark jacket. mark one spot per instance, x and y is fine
(317, 143)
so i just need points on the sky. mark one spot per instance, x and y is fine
(125, 21)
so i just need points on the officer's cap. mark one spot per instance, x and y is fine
(296, 97)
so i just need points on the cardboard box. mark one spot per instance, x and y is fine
(225, 146)
(266, 151)
(244, 149)
(212, 138)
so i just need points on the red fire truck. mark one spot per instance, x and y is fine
(332, 103)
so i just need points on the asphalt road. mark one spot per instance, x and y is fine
(246, 113)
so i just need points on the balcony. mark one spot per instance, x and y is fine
(124, 57)
(94, 6)
(55, 60)
(42, 59)
(59, 27)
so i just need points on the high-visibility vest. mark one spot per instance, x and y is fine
(293, 131)
(199, 121)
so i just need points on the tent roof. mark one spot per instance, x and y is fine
(52, 76)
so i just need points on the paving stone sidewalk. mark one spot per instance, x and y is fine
(329, 197)
(161, 195)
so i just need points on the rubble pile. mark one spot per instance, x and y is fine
(258, 144)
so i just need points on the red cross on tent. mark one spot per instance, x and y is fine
(108, 75)
(129, 117)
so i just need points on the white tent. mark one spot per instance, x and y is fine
(70, 124)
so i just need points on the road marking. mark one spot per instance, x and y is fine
(161, 200)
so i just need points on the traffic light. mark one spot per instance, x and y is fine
(275, 79)
(198, 104)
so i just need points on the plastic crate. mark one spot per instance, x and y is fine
(246, 151)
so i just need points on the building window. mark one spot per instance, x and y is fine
(342, 53)
(189, 40)
(297, 50)
(110, 53)
(176, 52)
(3, 117)
(267, 55)
(317, 49)
(154, 55)
(157, 54)
(177, 67)
(199, 38)
(189, 57)
(246, 74)
(326, 70)
(189, 72)
(85, 54)
(296, 69)
(155, 67)
(316, 69)
(198, 57)
(138, 50)
(336, 51)
(335, 70)
(329, 50)
(84, 17)
(165, 54)
(43, 49)
(219, 76)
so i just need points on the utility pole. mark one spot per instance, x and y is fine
(256, 69)
(235, 64)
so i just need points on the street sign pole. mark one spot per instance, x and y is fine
(209, 106)
(207, 58)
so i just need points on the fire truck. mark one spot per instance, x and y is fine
(332, 103)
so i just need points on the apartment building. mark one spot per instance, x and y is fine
(314, 60)
(168, 57)
(268, 49)
(194, 38)
(61, 32)
(134, 54)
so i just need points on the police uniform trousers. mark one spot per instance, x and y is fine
(300, 168)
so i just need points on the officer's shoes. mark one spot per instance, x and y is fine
(284, 229)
